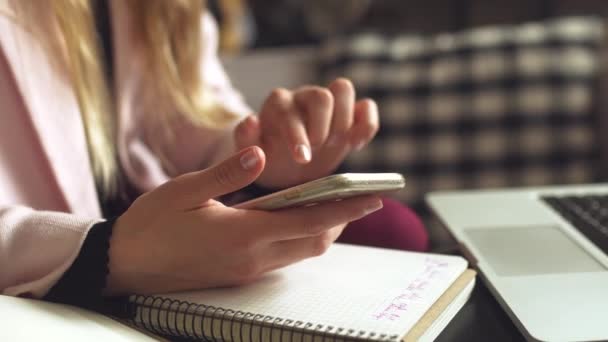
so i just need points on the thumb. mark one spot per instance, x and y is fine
(194, 189)
(247, 132)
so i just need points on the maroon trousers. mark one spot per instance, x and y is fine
(394, 226)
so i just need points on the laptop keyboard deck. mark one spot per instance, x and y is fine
(588, 213)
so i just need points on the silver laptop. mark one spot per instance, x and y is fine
(542, 252)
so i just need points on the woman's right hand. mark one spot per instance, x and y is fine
(177, 237)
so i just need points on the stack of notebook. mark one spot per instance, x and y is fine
(351, 293)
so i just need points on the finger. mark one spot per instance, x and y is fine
(283, 253)
(247, 132)
(366, 125)
(316, 103)
(342, 119)
(191, 190)
(288, 122)
(311, 221)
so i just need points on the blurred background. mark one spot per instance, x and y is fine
(472, 93)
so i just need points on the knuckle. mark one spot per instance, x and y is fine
(321, 96)
(279, 95)
(223, 175)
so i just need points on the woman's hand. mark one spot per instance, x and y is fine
(307, 133)
(177, 237)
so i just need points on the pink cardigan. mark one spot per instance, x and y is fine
(48, 198)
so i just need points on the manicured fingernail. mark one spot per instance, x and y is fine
(249, 160)
(303, 152)
(374, 206)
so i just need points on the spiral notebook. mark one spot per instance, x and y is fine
(351, 293)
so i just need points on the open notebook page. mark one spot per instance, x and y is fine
(361, 288)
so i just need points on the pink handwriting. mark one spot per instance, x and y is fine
(414, 291)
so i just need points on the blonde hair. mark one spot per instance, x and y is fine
(169, 35)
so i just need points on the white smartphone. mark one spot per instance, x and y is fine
(330, 188)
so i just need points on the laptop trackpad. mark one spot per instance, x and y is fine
(515, 251)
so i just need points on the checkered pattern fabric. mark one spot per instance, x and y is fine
(489, 107)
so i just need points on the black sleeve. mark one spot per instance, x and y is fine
(82, 284)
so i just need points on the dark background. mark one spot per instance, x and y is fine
(297, 22)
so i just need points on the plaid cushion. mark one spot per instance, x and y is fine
(489, 107)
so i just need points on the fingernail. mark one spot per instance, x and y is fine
(249, 160)
(304, 152)
(374, 206)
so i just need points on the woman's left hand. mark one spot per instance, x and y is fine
(307, 133)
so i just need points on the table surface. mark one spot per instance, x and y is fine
(481, 319)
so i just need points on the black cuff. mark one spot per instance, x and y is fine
(83, 283)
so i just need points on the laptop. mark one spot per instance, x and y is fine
(542, 252)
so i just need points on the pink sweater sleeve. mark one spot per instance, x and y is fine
(36, 248)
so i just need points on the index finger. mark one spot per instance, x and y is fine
(289, 124)
(317, 103)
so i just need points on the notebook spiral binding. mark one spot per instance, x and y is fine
(197, 322)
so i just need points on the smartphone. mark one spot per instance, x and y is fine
(330, 188)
